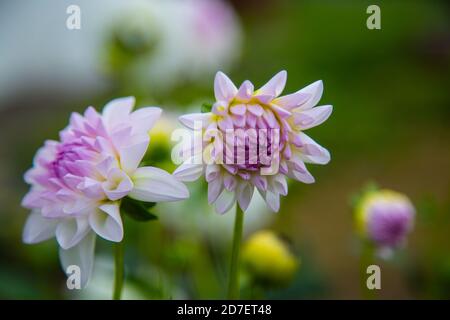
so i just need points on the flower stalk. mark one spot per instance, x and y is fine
(233, 286)
(118, 270)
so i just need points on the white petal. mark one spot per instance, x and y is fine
(188, 171)
(244, 194)
(212, 172)
(117, 111)
(298, 171)
(154, 185)
(312, 117)
(190, 120)
(37, 228)
(117, 185)
(107, 223)
(292, 101)
(225, 201)
(215, 187)
(273, 201)
(81, 255)
(275, 85)
(70, 231)
(144, 119)
(131, 155)
(314, 91)
(312, 152)
(224, 88)
(278, 184)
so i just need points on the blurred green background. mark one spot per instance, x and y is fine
(391, 98)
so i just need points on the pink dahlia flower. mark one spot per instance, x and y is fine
(255, 138)
(77, 182)
(385, 218)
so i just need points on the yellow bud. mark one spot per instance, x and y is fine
(268, 258)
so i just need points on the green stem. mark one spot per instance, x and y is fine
(119, 274)
(233, 287)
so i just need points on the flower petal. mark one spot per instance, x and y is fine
(278, 184)
(229, 182)
(190, 120)
(292, 101)
(314, 91)
(144, 119)
(215, 187)
(212, 172)
(245, 91)
(225, 201)
(244, 194)
(188, 171)
(298, 171)
(37, 228)
(70, 231)
(106, 222)
(238, 109)
(117, 110)
(255, 109)
(275, 85)
(312, 117)
(273, 201)
(224, 88)
(312, 152)
(81, 255)
(131, 155)
(117, 185)
(154, 185)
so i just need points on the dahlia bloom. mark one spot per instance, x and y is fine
(268, 143)
(385, 218)
(77, 183)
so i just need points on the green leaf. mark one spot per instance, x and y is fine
(206, 107)
(138, 210)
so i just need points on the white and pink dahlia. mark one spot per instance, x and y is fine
(255, 138)
(77, 183)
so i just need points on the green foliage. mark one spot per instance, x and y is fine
(206, 107)
(138, 210)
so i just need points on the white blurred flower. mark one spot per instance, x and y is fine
(193, 38)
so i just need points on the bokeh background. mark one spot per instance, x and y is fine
(390, 126)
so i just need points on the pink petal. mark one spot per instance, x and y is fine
(312, 117)
(282, 113)
(225, 201)
(196, 120)
(238, 109)
(244, 195)
(293, 100)
(255, 109)
(275, 85)
(224, 89)
(245, 91)
(215, 187)
(229, 182)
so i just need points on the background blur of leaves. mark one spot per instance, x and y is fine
(390, 92)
